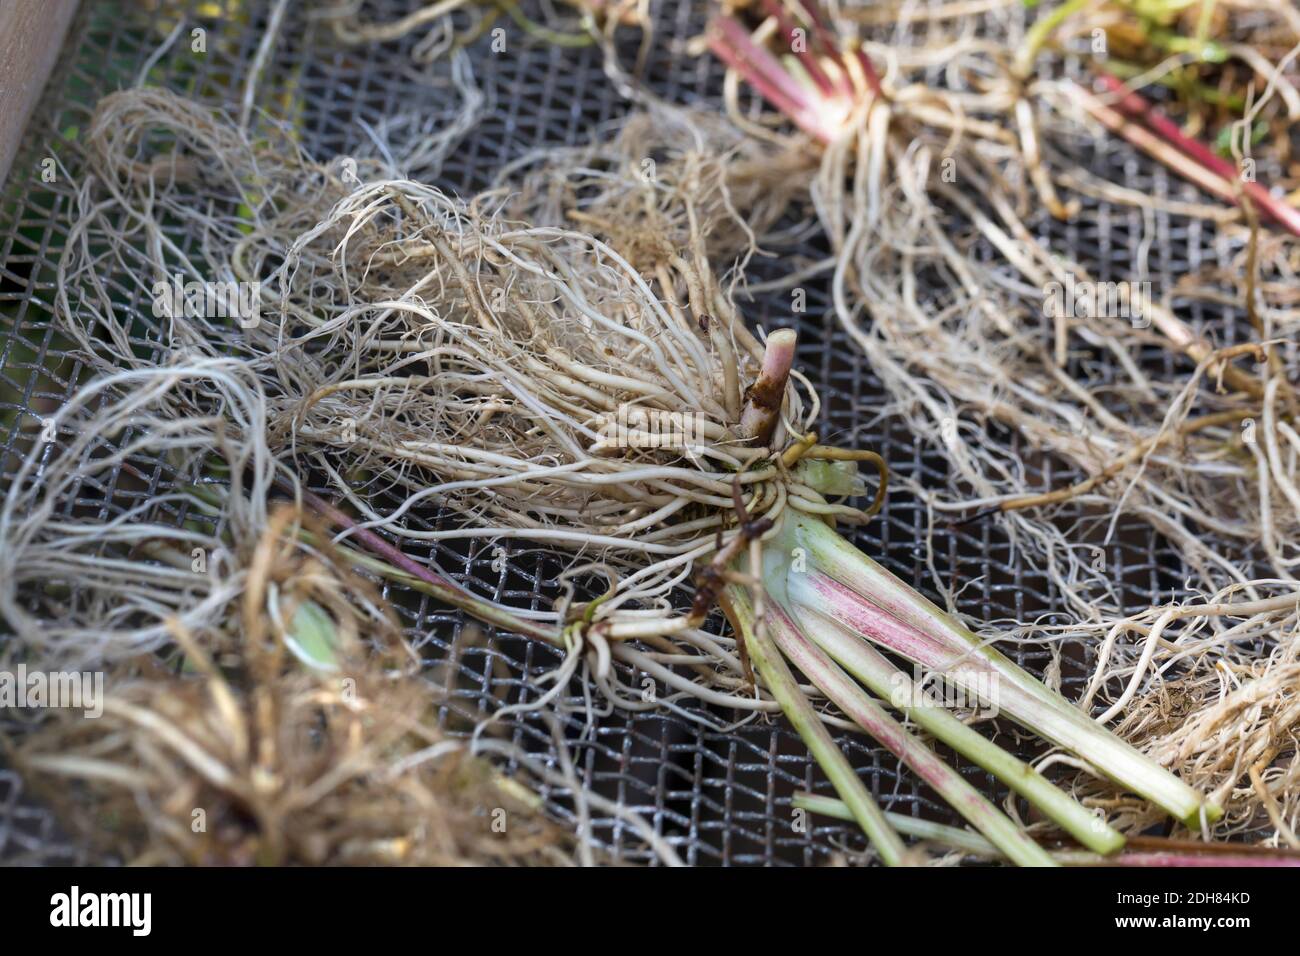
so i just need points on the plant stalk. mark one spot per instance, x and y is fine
(759, 417)
(774, 673)
(893, 685)
(847, 587)
(1010, 839)
(435, 585)
(975, 845)
(1139, 108)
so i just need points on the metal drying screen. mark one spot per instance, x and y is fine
(718, 797)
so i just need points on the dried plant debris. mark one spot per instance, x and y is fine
(297, 731)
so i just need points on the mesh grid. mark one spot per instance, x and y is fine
(718, 797)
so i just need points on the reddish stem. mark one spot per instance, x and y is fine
(1174, 860)
(448, 590)
(806, 56)
(823, 31)
(732, 44)
(1138, 107)
(758, 419)
(1159, 844)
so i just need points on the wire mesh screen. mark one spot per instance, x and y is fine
(718, 794)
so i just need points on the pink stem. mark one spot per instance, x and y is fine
(448, 590)
(1138, 107)
(1148, 859)
(732, 44)
(823, 31)
(1156, 147)
(871, 717)
(806, 56)
(759, 417)
(898, 619)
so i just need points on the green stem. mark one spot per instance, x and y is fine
(1039, 33)
(954, 837)
(890, 683)
(951, 786)
(855, 592)
(543, 33)
(1204, 20)
(1200, 90)
(799, 711)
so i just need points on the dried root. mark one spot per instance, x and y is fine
(300, 733)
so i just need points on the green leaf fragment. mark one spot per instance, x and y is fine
(832, 477)
(313, 638)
